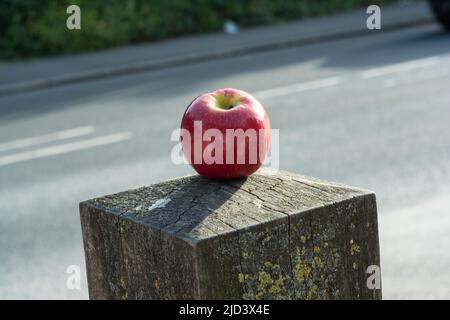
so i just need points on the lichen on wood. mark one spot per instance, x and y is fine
(269, 236)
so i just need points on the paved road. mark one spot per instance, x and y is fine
(371, 112)
(53, 71)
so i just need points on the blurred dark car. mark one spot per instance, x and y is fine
(441, 9)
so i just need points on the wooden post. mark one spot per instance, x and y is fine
(270, 236)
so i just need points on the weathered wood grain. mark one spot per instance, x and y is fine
(270, 236)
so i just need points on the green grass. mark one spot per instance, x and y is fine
(38, 27)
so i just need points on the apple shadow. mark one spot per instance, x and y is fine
(195, 199)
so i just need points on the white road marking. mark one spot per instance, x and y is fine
(55, 136)
(389, 83)
(300, 87)
(399, 67)
(430, 75)
(64, 148)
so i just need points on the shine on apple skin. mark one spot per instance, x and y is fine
(224, 109)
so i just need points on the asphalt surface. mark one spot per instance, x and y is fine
(54, 71)
(372, 112)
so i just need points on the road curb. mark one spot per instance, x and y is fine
(143, 66)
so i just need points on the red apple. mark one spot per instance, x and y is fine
(225, 134)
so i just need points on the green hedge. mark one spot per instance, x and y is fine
(38, 27)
